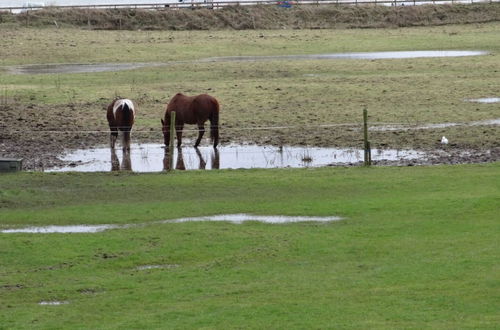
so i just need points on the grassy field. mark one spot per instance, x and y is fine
(417, 249)
(255, 94)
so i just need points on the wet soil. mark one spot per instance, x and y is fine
(40, 134)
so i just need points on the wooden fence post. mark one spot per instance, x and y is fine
(171, 144)
(368, 152)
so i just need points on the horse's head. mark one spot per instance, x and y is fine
(166, 134)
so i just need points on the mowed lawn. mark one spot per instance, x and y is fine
(418, 248)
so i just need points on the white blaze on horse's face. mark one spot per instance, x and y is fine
(119, 103)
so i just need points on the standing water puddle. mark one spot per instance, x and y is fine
(232, 218)
(153, 158)
(78, 68)
(62, 229)
(53, 303)
(106, 67)
(485, 100)
(398, 127)
(352, 56)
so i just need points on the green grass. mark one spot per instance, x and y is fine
(418, 249)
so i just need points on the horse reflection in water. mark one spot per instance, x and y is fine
(126, 164)
(180, 164)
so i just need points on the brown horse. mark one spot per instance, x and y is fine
(192, 110)
(121, 115)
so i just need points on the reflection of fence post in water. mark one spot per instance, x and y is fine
(171, 144)
(368, 152)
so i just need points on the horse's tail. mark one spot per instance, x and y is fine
(214, 123)
(128, 115)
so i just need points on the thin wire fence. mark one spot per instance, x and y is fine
(166, 5)
(376, 126)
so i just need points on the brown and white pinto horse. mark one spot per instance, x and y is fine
(121, 115)
(192, 110)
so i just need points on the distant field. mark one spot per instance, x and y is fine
(304, 93)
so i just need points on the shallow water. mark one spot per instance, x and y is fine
(62, 229)
(232, 218)
(240, 218)
(106, 67)
(53, 303)
(147, 267)
(154, 158)
(352, 56)
(485, 100)
(397, 127)
(77, 68)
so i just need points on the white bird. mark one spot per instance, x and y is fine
(444, 140)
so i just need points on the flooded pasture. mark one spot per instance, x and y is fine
(238, 218)
(110, 67)
(155, 158)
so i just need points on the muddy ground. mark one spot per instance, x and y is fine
(39, 134)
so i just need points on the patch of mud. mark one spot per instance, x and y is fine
(109, 67)
(232, 218)
(12, 286)
(154, 158)
(57, 129)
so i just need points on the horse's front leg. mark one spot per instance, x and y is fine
(166, 136)
(178, 130)
(113, 136)
(201, 131)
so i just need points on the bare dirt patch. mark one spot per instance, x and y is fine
(40, 134)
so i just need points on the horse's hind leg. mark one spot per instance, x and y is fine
(201, 131)
(214, 128)
(126, 140)
(113, 136)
